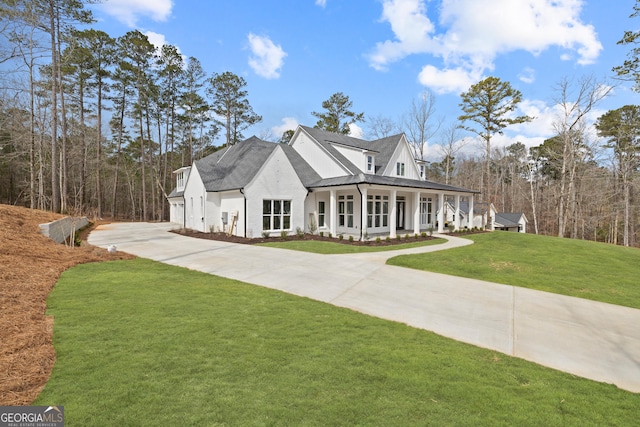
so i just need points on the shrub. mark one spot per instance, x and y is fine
(378, 240)
(351, 238)
(283, 234)
(299, 233)
(340, 236)
(322, 234)
(406, 237)
(312, 226)
(266, 234)
(330, 236)
(430, 230)
(388, 239)
(423, 235)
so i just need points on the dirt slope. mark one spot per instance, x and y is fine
(30, 265)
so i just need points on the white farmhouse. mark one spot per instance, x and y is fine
(320, 181)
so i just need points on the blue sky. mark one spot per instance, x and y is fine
(294, 54)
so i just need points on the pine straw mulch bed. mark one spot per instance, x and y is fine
(30, 265)
(306, 236)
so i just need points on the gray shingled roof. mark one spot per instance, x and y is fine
(234, 167)
(325, 138)
(175, 193)
(507, 219)
(363, 178)
(384, 147)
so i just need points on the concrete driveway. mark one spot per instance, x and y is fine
(586, 338)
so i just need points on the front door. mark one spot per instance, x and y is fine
(400, 214)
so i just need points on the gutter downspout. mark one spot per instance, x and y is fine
(245, 211)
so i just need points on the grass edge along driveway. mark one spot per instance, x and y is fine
(325, 248)
(144, 343)
(578, 268)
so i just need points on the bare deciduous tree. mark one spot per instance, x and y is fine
(575, 99)
(420, 123)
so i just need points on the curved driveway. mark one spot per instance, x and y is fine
(586, 338)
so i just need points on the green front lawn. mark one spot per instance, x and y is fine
(142, 343)
(324, 247)
(572, 267)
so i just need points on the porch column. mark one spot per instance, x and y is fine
(440, 212)
(363, 214)
(333, 212)
(456, 223)
(392, 214)
(471, 214)
(416, 212)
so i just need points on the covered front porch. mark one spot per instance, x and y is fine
(366, 210)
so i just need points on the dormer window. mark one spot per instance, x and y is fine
(182, 176)
(400, 169)
(422, 171)
(371, 165)
(180, 179)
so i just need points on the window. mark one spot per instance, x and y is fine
(400, 169)
(276, 214)
(426, 211)
(321, 214)
(345, 211)
(422, 171)
(377, 211)
(180, 180)
(370, 164)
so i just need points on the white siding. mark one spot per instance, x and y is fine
(194, 198)
(276, 180)
(317, 157)
(403, 155)
(213, 219)
(311, 208)
(231, 201)
(354, 155)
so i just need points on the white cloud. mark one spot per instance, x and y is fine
(129, 11)
(527, 75)
(288, 123)
(158, 40)
(474, 32)
(267, 58)
(455, 80)
(355, 131)
(321, 3)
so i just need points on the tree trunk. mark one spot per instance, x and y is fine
(55, 189)
(64, 179)
(118, 152)
(99, 151)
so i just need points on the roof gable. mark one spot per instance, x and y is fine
(326, 140)
(509, 219)
(382, 148)
(234, 167)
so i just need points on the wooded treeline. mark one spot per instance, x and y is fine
(94, 124)
(61, 80)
